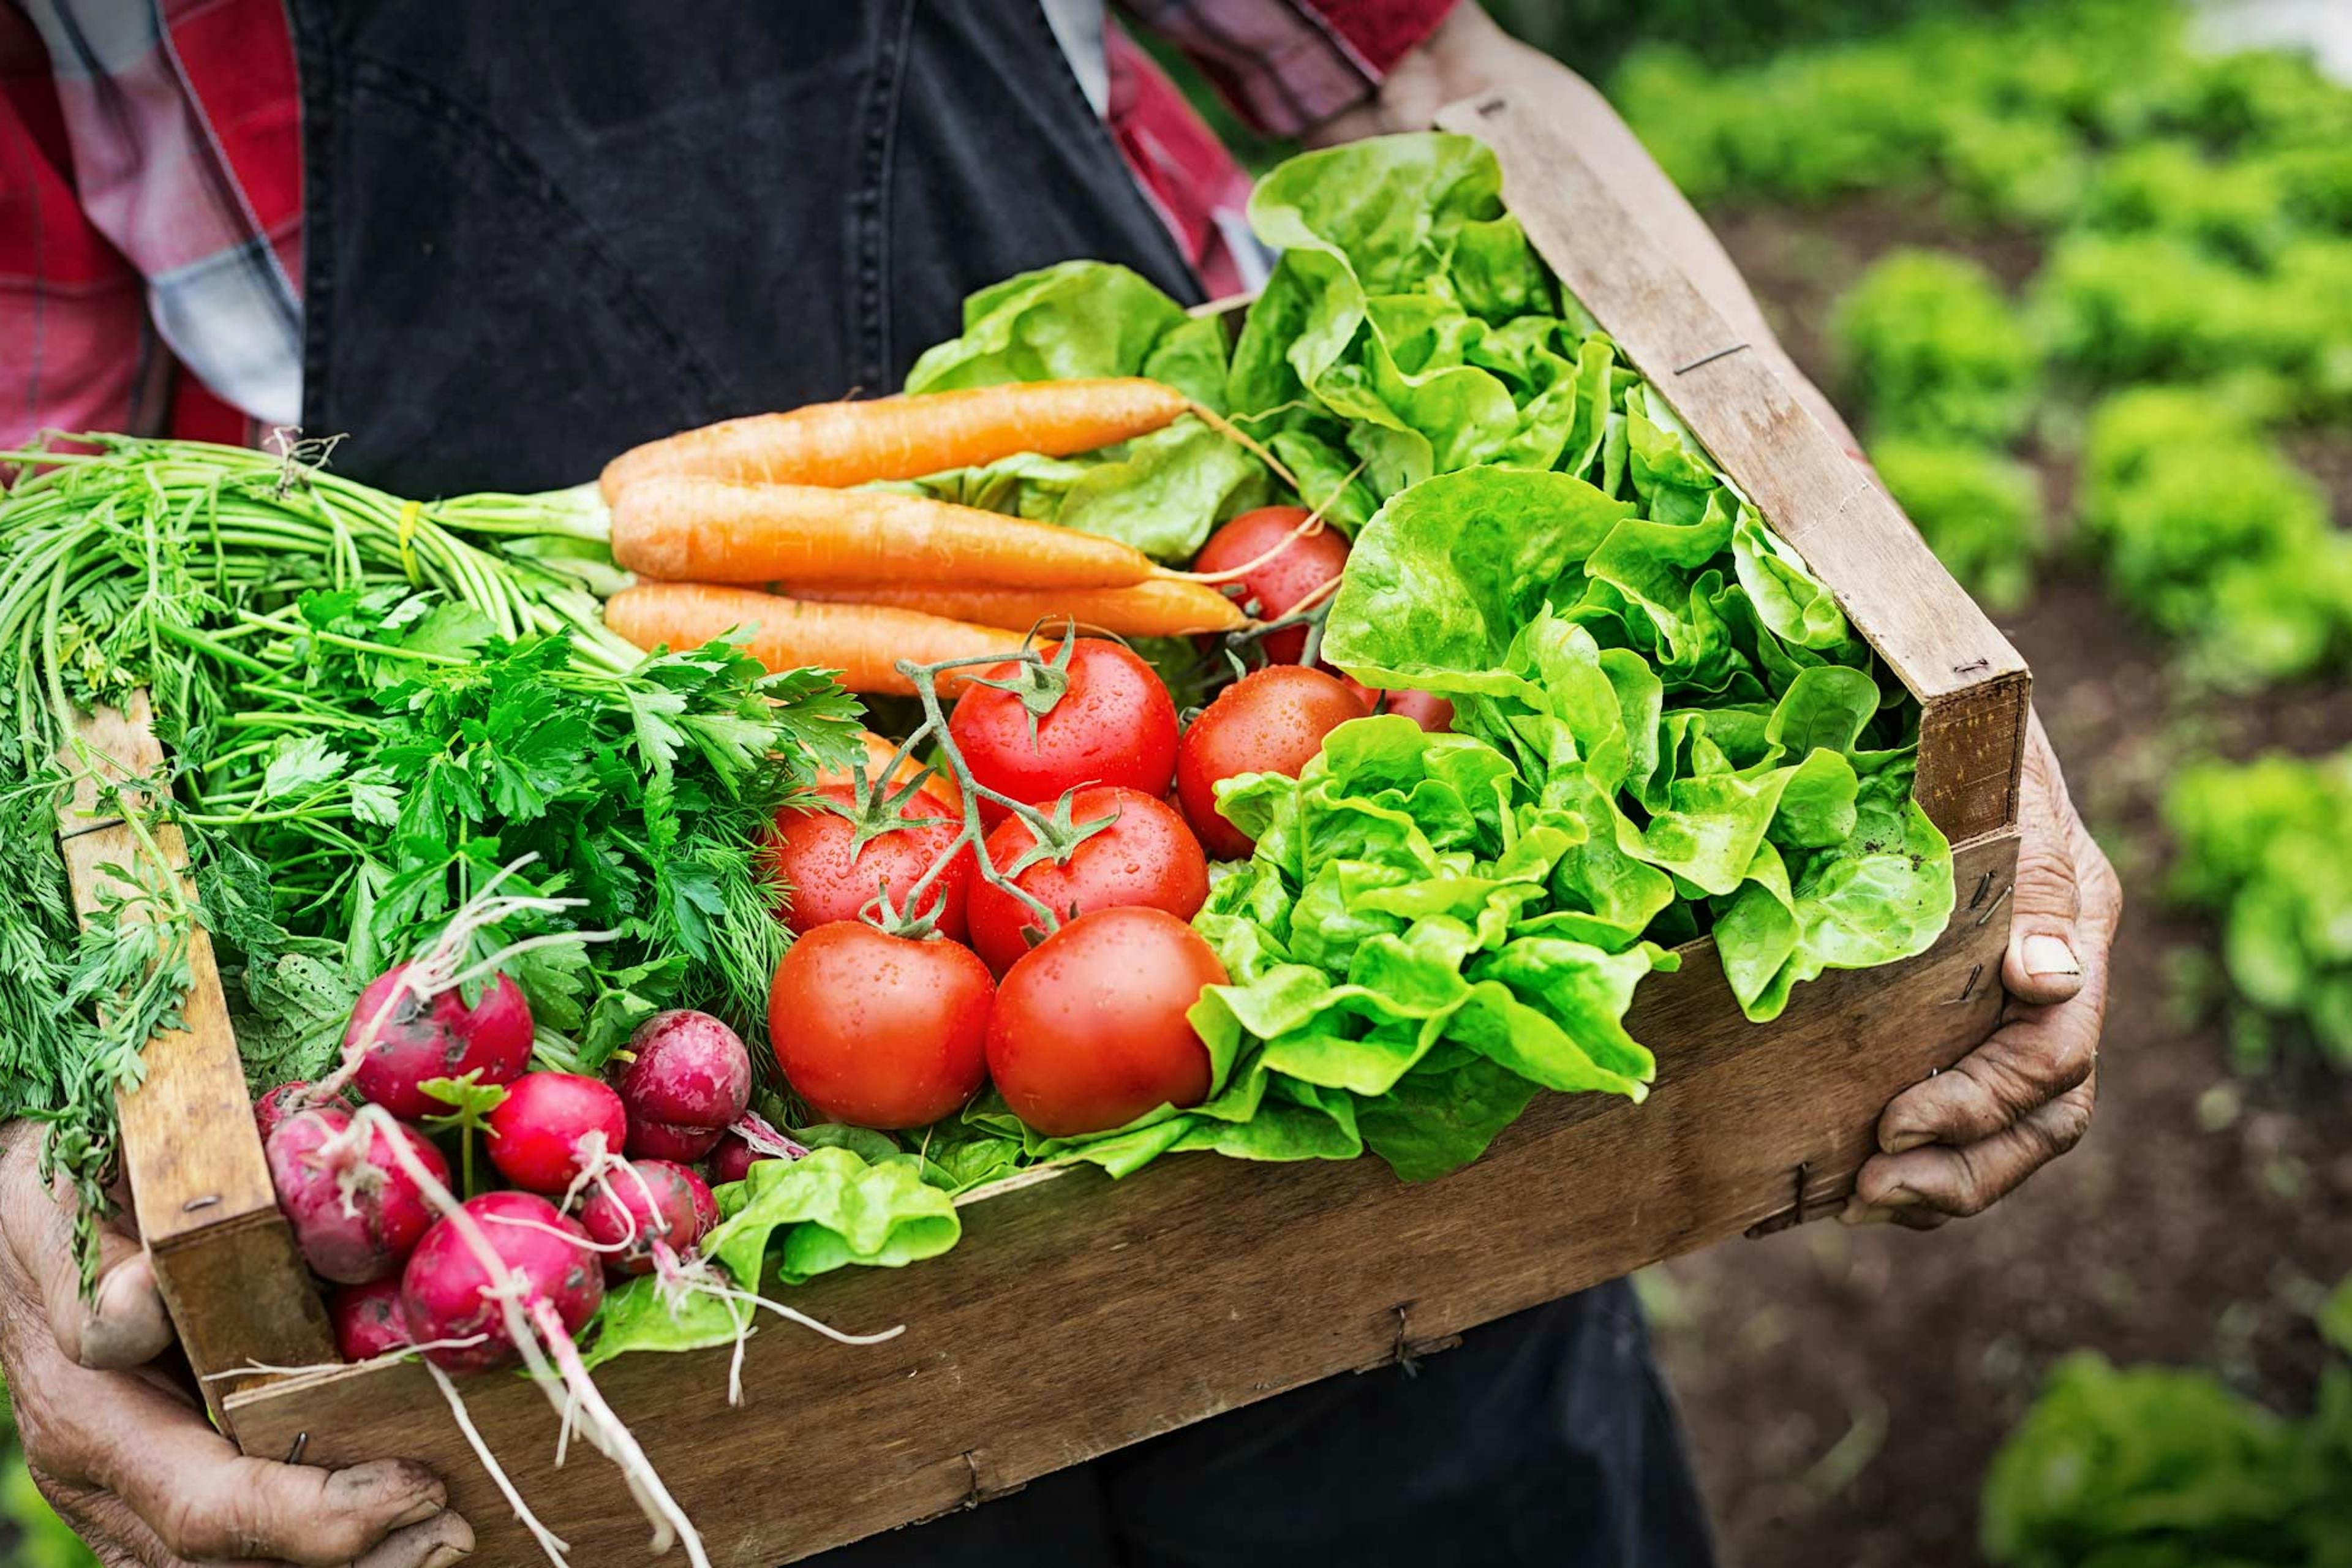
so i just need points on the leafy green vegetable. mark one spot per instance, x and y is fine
(788, 1220)
(2237, 210)
(2265, 846)
(1409, 328)
(2008, 124)
(2158, 307)
(1162, 492)
(1074, 320)
(1663, 721)
(2197, 209)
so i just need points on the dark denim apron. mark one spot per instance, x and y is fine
(541, 231)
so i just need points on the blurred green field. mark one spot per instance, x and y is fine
(2085, 288)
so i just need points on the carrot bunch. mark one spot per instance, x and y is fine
(709, 519)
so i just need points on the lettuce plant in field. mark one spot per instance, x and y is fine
(2154, 1468)
(2267, 848)
(2117, 308)
(2236, 210)
(1928, 346)
(1979, 509)
(2207, 532)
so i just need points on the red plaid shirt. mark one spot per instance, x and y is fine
(151, 183)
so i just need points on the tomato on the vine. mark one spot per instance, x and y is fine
(878, 1031)
(1114, 724)
(1090, 1028)
(1281, 575)
(1146, 855)
(879, 751)
(833, 879)
(1271, 721)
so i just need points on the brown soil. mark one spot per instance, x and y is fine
(1845, 1389)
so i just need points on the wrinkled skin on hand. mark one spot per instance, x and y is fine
(1951, 1146)
(120, 1447)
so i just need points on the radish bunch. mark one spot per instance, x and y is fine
(597, 1182)
(600, 1181)
(601, 1172)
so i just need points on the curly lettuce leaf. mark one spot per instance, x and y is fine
(790, 1220)
(1161, 492)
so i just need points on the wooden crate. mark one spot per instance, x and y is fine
(1079, 1314)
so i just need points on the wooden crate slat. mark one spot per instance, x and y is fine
(1079, 1315)
(109, 746)
(224, 1256)
(1892, 588)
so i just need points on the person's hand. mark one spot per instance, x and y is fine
(127, 1457)
(1953, 1145)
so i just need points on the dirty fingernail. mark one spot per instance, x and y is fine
(1857, 1213)
(2047, 956)
(1903, 1143)
(1897, 1198)
(445, 1556)
(419, 1512)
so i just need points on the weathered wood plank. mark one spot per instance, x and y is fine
(109, 746)
(1079, 1315)
(1895, 592)
(200, 1190)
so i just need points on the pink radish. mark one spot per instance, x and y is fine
(554, 1127)
(687, 1070)
(368, 1320)
(356, 1210)
(733, 1159)
(646, 1202)
(402, 1042)
(448, 1293)
(277, 1104)
(659, 1141)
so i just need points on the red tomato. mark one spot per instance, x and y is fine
(1146, 857)
(1089, 1032)
(829, 881)
(1426, 709)
(1271, 721)
(1283, 575)
(1116, 724)
(879, 1030)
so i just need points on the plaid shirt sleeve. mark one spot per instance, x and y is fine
(1287, 65)
(150, 150)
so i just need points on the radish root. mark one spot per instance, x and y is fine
(554, 1545)
(756, 1130)
(1241, 438)
(570, 1389)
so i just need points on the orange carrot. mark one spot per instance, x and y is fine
(1162, 607)
(862, 641)
(879, 753)
(716, 530)
(907, 437)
